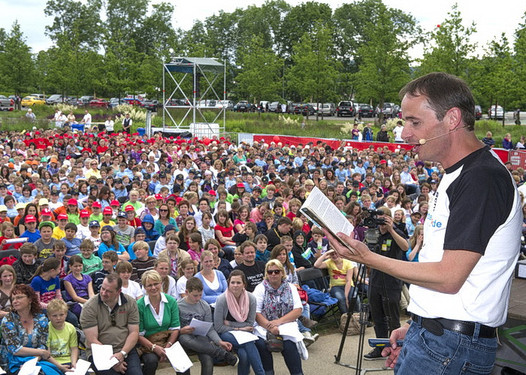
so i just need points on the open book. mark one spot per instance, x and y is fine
(323, 213)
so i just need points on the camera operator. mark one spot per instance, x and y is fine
(385, 290)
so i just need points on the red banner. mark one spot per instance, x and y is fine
(287, 140)
(519, 157)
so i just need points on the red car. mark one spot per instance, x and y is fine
(132, 101)
(99, 103)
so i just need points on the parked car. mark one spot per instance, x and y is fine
(497, 113)
(478, 112)
(6, 104)
(71, 100)
(84, 100)
(98, 103)
(226, 104)
(345, 108)
(133, 101)
(327, 109)
(304, 109)
(389, 110)
(39, 96)
(274, 107)
(30, 101)
(365, 110)
(242, 106)
(54, 99)
(150, 105)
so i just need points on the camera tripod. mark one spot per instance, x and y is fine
(364, 318)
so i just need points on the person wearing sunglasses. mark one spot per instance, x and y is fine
(164, 219)
(112, 318)
(278, 303)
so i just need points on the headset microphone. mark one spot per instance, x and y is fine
(423, 141)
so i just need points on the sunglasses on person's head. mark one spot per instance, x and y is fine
(112, 318)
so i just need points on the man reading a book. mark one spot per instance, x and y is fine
(472, 239)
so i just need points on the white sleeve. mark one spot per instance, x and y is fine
(259, 293)
(295, 297)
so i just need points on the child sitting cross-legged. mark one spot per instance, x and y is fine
(62, 337)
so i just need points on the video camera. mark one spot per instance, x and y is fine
(371, 219)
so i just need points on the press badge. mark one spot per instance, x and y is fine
(386, 245)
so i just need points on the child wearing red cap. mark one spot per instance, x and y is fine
(60, 232)
(32, 233)
(72, 210)
(83, 227)
(96, 209)
(107, 217)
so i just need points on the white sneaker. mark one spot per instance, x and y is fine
(308, 338)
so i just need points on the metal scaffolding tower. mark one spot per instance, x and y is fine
(185, 103)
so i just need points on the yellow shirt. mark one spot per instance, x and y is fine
(338, 275)
(58, 233)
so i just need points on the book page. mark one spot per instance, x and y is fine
(103, 357)
(319, 209)
(178, 357)
(201, 328)
(242, 337)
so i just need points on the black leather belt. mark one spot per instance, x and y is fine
(437, 325)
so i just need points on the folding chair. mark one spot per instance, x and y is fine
(318, 279)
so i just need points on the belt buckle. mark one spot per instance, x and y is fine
(433, 326)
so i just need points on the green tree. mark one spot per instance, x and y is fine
(450, 48)
(16, 64)
(301, 19)
(259, 78)
(314, 71)
(385, 61)
(496, 80)
(520, 60)
(75, 21)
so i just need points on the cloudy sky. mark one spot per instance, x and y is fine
(491, 17)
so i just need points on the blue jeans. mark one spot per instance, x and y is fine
(450, 354)
(290, 355)
(338, 292)
(133, 362)
(248, 355)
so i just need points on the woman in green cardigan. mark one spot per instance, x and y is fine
(159, 322)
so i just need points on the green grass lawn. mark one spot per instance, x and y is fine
(261, 123)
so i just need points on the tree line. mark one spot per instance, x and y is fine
(276, 51)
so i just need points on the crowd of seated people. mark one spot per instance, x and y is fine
(206, 228)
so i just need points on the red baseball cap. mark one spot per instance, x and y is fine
(72, 202)
(212, 192)
(96, 205)
(84, 213)
(62, 217)
(30, 219)
(240, 185)
(115, 203)
(159, 197)
(45, 212)
(129, 208)
(107, 211)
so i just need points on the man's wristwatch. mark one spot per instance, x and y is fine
(124, 354)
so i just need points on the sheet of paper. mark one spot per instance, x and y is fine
(243, 337)
(30, 367)
(178, 357)
(290, 331)
(201, 328)
(102, 357)
(81, 368)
